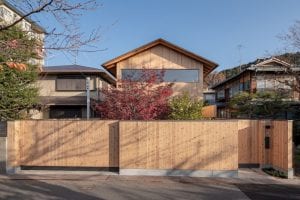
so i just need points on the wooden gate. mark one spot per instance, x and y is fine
(266, 143)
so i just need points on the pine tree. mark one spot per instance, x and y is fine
(18, 92)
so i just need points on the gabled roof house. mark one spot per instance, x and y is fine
(62, 90)
(267, 75)
(185, 68)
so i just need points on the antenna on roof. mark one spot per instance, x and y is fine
(76, 56)
(239, 47)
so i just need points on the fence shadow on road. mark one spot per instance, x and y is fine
(36, 190)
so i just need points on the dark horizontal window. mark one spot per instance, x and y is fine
(60, 112)
(169, 75)
(72, 83)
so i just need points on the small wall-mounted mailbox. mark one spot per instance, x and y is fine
(267, 142)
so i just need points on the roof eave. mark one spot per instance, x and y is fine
(109, 64)
(103, 74)
(229, 79)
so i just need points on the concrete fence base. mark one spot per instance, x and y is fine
(171, 172)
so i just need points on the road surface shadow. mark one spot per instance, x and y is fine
(270, 191)
(35, 190)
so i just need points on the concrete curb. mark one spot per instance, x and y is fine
(187, 173)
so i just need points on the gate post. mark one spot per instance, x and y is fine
(290, 171)
(12, 147)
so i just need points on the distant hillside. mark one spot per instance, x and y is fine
(293, 58)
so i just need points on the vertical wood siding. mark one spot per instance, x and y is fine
(252, 143)
(193, 145)
(161, 57)
(196, 145)
(70, 143)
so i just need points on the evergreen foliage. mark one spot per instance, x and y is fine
(18, 92)
(260, 105)
(184, 107)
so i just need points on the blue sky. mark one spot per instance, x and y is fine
(211, 28)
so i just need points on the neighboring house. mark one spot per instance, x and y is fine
(209, 97)
(63, 90)
(9, 14)
(268, 75)
(180, 66)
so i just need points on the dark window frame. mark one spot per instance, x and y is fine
(61, 112)
(218, 96)
(196, 70)
(70, 77)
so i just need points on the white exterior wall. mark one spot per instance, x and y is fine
(10, 16)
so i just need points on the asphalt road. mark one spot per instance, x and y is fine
(93, 186)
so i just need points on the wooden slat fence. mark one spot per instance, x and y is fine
(193, 145)
(182, 145)
(251, 146)
(67, 143)
(282, 145)
(252, 149)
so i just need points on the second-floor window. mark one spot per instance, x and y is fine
(73, 83)
(4, 13)
(221, 94)
(170, 75)
(235, 89)
(269, 84)
(247, 85)
(209, 98)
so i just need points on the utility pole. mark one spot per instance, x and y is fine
(88, 97)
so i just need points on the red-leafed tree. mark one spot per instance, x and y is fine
(141, 96)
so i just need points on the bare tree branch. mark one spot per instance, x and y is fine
(292, 41)
(36, 10)
(65, 34)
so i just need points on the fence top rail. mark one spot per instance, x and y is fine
(111, 120)
(200, 120)
(77, 120)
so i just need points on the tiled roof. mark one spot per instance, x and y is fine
(78, 69)
(70, 68)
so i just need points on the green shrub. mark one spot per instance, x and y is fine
(266, 104)
(184, 107)
(273, 172)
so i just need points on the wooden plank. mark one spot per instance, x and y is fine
(68, 143)
(12, 145)
(282, 144)
(209, 111)
(196, 145)
(252, 148)
(205, 145)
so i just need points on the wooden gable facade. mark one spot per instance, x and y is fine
(161, 54)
